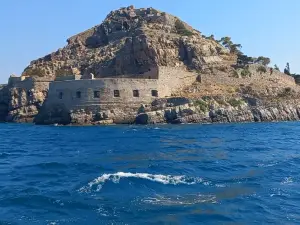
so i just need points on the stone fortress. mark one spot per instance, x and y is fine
(76, 91)
(138, 63)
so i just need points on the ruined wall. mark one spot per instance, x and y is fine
(254, 77)
(173, 79)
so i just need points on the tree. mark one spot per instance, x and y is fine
(276, 67)
(245, 60)
(226, 42)
(263, 60)
(287, 69)
(233, 48)
(211, 37)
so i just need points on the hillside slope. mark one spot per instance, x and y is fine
(131, 42)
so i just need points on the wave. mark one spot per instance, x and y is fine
(159, 178)
(287, 180)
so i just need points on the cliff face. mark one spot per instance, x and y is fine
(239, 110)
(24, 103)
(4, 96)
(137, 43)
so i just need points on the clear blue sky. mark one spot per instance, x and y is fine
(34, 28)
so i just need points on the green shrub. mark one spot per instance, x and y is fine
(202, 105)
(246, 73)
(181, 29)
(261, 69)
(207, 98)
(220, 100)
(286, 92)
(235, 102)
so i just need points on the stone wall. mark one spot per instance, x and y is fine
(76, 93)
(173, 79)
(80, 93)
(257, 77)
(68, 77)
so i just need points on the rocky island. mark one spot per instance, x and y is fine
(145, 66)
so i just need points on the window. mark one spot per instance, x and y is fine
(154, 93)
(78, 94)
(116, 93)
(60, 95)
(136, 93)
(96, 94)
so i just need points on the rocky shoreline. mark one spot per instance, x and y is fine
(177, 110)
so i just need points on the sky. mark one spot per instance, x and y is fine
(33, 28)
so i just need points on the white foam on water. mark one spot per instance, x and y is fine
(180, 200)
(287, 180)
(159, 178)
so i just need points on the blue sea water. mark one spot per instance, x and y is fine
(168, 174)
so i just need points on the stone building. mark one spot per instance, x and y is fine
(75, 91)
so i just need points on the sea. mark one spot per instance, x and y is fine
(160, 174)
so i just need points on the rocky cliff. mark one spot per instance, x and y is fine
(132, 42)
(135, 43)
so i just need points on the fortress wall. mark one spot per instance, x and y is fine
(18, 82)
(105, 87)
(172, 79)
(29, 84)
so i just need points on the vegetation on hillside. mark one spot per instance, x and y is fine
(236, 102)
(245, 73)
(233, 48)
(287, 71)
(261, 69)
(181, 29)
(202, 105)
